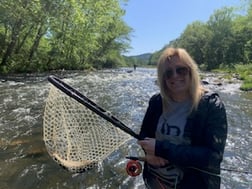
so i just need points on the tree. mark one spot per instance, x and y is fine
(195, 38)
(41, 35)
(12, 17)
(220, 24)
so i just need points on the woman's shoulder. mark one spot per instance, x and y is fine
(156, 100)
(156, 97)
(208, 95)
(212, 97)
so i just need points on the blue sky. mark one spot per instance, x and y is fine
(157, 22)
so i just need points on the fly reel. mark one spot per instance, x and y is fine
(134, 168)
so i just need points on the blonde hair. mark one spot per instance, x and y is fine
(195, 90)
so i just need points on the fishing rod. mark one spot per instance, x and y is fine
(222, 168)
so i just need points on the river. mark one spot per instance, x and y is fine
(25, 163)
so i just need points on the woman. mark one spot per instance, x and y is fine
(184, 128)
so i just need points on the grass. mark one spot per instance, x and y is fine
(245, 74)
(242, 72)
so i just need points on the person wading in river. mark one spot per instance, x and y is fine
(184, 128)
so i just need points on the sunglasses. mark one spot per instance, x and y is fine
(181, 71)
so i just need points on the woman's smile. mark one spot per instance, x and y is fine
(177, 79)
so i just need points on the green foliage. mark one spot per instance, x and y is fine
(42, 35)
(154, 57)
(247, 84)
(203, 67)
(222, 42)
(245, 70)
(245, 74)
(196, 38)
(139, 60)
(45, 35)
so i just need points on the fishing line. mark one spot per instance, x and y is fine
(222, 168)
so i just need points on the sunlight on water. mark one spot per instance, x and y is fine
(125, 93)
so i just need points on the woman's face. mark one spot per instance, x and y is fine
(177, 78)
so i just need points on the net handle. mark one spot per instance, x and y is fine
(79, 97)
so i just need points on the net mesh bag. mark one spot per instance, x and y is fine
(77, 138)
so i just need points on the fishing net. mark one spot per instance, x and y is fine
(76, 137)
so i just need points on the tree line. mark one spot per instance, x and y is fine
(223, 41)
(42, 35)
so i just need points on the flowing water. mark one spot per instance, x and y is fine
(25, 163)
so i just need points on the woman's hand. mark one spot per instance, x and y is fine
(148, 144)
(156, 161)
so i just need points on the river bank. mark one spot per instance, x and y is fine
(224, 76)
(39, 76)
(242, 72)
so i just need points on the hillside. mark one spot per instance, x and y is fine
(139, 60)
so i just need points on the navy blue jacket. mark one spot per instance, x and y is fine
(207, 129)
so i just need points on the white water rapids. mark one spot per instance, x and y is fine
(24, 162)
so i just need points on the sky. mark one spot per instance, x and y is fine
(157, 22)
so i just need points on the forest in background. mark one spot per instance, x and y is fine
(223, 41)
(44, 35)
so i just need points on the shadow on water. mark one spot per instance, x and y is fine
(25, 163)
